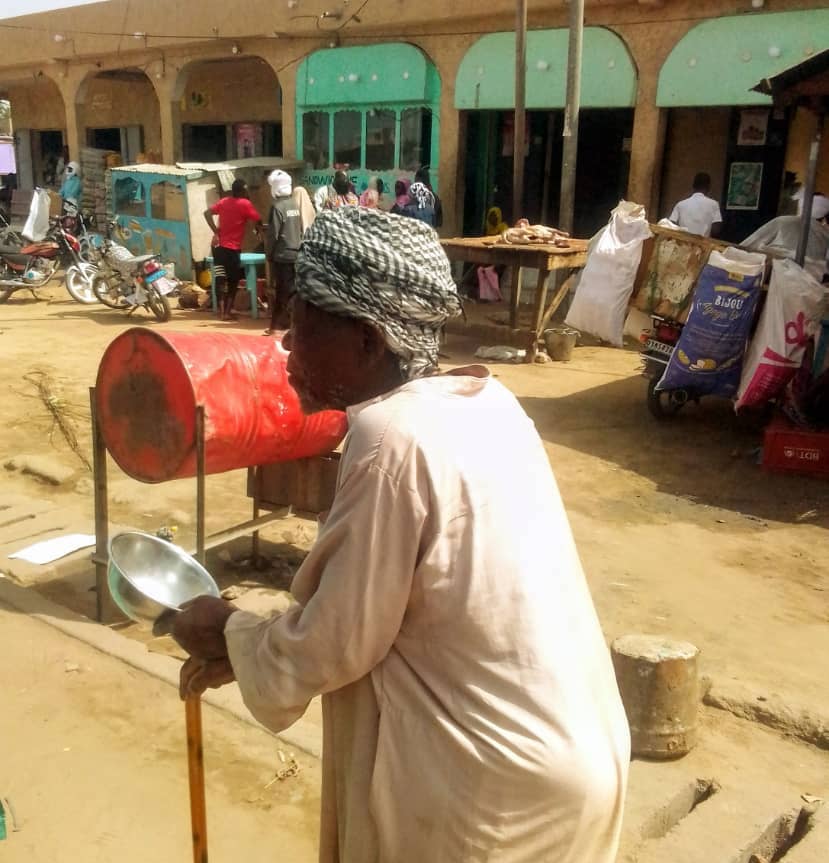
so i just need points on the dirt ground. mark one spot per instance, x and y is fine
(100, 774)
(679, 528)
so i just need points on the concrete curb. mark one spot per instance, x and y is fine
(769, 710)
(302, 735)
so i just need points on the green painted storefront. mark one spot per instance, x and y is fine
(372, 110)
(486, 76)
(706, 83)
(718, 61)
(485, 90)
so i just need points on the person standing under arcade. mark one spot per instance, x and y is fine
(234, 212)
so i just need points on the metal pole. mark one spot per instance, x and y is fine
(200, 485)
(518, 138)
(809, 191)
(99, 468)
(571, 118)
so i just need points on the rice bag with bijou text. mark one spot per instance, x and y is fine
(708, 357)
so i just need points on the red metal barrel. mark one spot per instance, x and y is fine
(149, 385)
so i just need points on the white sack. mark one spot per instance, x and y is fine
(37, 224)
(601, 302)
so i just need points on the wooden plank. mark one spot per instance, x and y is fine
(515, 296)
(533, 255)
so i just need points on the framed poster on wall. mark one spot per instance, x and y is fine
(745, 180)
(753, 129)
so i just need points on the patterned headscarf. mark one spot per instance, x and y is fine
(383, 269)
(421, 195)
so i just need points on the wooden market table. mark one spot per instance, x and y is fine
(491, 251)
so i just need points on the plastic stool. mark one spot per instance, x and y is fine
(250, 260)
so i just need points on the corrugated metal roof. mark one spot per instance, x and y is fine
(167, 170)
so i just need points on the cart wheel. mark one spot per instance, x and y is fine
(664, 404)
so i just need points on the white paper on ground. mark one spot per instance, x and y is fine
(50, 550)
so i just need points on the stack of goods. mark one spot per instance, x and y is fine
(94, 164)
(708, 358)
(526, 234)
(787, 362)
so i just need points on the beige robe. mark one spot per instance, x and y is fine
(470, 707)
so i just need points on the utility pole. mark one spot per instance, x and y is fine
(518, 137)
(567, 202)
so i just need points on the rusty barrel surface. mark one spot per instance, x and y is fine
(149, 386)
(658, 682)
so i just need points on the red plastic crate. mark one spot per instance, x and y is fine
(789, 447)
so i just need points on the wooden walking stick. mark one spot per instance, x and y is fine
(195, 768)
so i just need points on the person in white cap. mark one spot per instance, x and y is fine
(70, 190)
(283, 239)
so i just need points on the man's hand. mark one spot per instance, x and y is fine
(199, 627)
(197, 675)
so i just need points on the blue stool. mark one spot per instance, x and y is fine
(250, 260)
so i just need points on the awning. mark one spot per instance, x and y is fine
(486, 76)
(367, 75)
(720, 61)
(802, 82)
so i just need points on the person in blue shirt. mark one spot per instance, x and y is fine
(70, 190)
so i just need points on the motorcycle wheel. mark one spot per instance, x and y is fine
(108, 290)
(158, 303)
(664, 404)
(79, 279)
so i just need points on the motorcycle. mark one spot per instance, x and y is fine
(33, 265)
(8, 235)
(658, 345)
(82, 226)
(127, 282)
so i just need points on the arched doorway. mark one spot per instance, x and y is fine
(485, 91)
(118, 110)
(229, 109)
(39, 120)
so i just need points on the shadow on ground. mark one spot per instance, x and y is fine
(706, 454)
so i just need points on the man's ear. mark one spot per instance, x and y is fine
(374, 342)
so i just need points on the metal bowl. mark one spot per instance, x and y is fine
(149, 576)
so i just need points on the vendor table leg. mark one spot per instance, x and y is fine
(561, 282)
(515, 296)
(538, 314)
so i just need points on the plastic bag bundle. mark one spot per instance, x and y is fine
(790, 318)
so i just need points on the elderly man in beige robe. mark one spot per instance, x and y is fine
(470, 709)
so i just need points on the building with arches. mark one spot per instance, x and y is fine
(383, 87)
